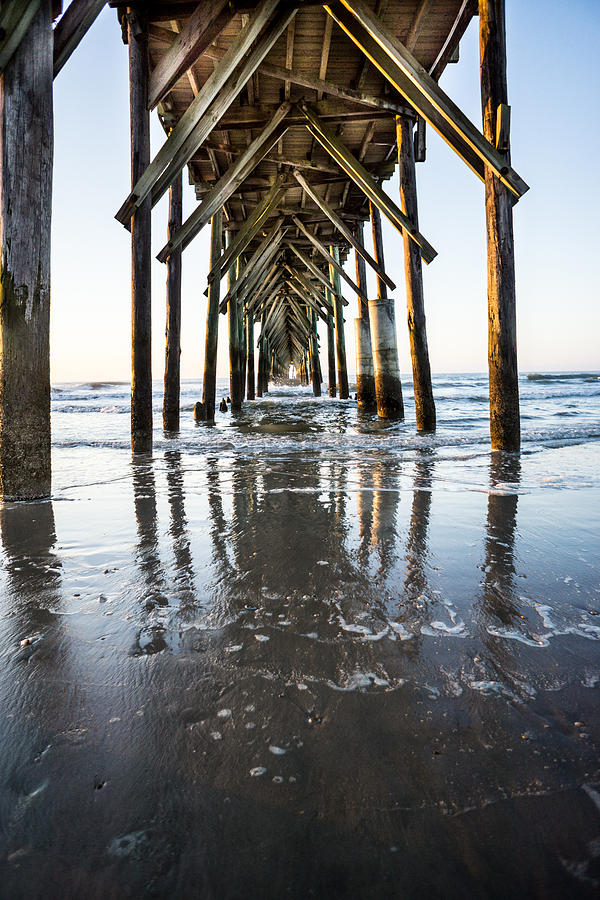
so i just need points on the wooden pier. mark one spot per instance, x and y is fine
(288, 118)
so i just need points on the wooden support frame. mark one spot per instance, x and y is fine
(78, 18)
(203, 26)
(344, 231)
(261, 258)
(406, 74)
(357, 172)
(221, 88)
(331, 260)
(15, 19)
(309, 265)
(250, 228)
(226, 185)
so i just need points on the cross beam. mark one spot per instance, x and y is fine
(359, 175)
(343, 229)
(407, 75)
(212, 101)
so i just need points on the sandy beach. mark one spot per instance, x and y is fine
(247, 670)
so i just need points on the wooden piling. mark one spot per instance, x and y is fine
(26, 154)
(250, 386)
(340, 340)
(173, 327)
(382, 321)
(141, 305)
(417, 330)
(365, 377)
(233, 315)
(314, 356)
(243, 351)
(505, 426)
(332, 384)
(209, 389)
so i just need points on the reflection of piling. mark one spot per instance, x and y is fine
(385, 508)
(29, 539)
(148, 559)
(501, 529)
(178, 527)
(417, 545)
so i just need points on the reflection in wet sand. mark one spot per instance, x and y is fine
(305, 711)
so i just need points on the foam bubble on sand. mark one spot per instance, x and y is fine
(234, 648)
(437, 627)
(257, 771)
(399, 629)
(224, 714)
(534, 640)
(261, 638)
(359, 681)
(276, 751)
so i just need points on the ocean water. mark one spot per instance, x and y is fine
(303, 653)
(558, 410)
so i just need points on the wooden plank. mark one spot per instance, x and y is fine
(230, 181)
(365, 182)
(467, 10)
(417, 24)
(407, 75)
(196, 123)
(78, 18)
(344, 230)
(328, 87)
(271, 239)
(15, 19)
(25, 227)
(203, 26)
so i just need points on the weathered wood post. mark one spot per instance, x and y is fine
(233, 314)
(314, 355)
(417, 331)
(141, 301)
(26, 153)
(388, 387)
(250, 389)
(505, 425)
(173, 328)
(209, 388)
(332, 387)
(365, 377)
(340, 340)
(243, 350)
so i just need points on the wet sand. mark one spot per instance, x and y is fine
(302, 677)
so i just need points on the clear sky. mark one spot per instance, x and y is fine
(553, 86)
